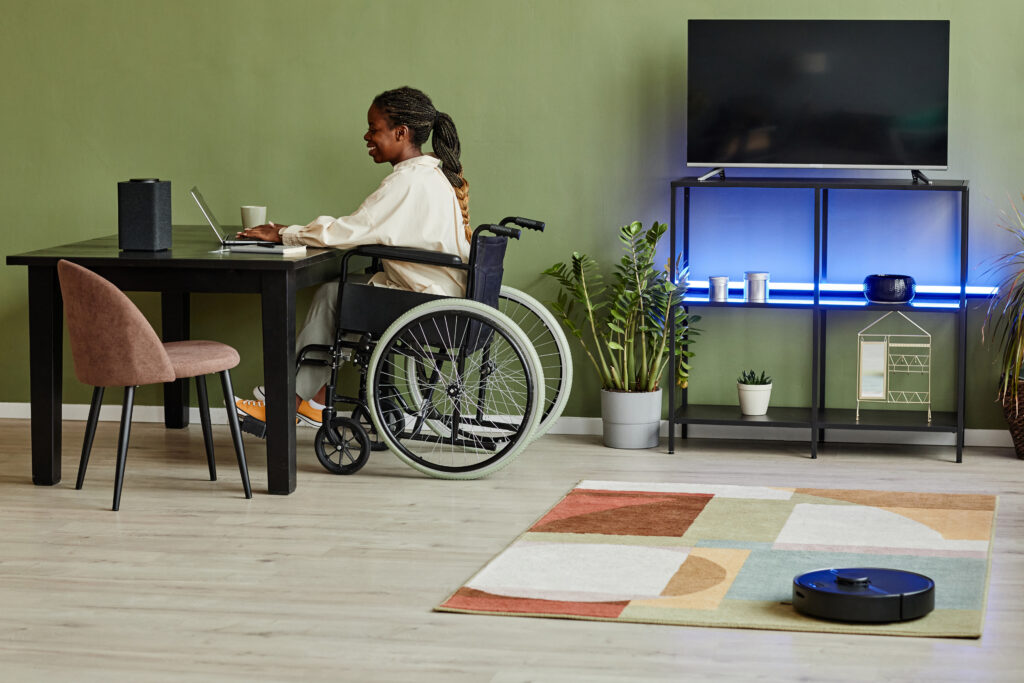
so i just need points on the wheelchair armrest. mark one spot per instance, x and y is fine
(435, 258)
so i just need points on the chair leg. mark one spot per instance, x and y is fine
(236, 432)
(122, 443)
(204, 418)
(90, 432)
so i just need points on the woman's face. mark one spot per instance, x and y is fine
(386, 144)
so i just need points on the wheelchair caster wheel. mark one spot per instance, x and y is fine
(394, 418)
(342, 447)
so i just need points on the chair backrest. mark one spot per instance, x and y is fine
(112, 343)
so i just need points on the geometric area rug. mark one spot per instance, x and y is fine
(726, 556)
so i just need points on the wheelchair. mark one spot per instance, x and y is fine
(455, 387)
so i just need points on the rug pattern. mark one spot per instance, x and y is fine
(707, 555)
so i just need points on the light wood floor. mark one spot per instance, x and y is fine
(191, 582)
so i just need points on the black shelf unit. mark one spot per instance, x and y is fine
(816, 417)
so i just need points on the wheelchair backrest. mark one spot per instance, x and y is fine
(483, 283)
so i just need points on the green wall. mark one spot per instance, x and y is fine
(569, 110)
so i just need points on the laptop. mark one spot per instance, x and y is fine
(212, 220)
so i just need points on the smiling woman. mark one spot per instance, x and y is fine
(423, 203)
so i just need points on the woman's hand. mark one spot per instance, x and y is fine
(271, 232)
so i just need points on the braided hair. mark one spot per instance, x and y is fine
(412, 108)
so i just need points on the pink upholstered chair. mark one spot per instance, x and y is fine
(113, 345)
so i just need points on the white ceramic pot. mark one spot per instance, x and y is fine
(754, 398)
(631, 419)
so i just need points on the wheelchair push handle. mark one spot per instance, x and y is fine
(524, 223)
(502, 231)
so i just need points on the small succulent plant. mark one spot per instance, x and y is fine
(751, 377)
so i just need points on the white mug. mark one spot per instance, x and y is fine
(253, 216)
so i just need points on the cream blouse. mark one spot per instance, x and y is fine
(415, 206)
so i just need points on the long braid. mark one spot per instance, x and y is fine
(412, 108)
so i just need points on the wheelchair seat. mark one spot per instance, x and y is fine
(367, 308)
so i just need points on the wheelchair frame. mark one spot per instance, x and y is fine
(384, 410)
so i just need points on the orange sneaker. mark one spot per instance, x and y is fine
(309, 415)
(306, 414)
(257, 410)
(254, 409)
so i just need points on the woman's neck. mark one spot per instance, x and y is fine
(408, 153)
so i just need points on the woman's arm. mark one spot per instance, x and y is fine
(382, 218)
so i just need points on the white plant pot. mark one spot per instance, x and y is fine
(754, 398)
(631, 419)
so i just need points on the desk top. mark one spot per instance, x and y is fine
(192, 246)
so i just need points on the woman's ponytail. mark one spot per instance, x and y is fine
(448, 150)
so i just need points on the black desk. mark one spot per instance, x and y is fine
(188, 267)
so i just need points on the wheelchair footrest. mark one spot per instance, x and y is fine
(250, 425)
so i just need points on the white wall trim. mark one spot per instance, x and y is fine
(111, 413)
(591, 426)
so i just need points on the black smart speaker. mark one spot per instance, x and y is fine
(144, 214)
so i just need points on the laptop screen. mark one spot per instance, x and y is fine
(207, 213)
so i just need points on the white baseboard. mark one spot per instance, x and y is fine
(112, 413)
(591, 426)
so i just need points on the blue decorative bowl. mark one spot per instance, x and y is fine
(889, 289)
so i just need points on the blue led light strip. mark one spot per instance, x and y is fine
(792, 287)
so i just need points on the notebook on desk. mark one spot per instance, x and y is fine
(241, 246)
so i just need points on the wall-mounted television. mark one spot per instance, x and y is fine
(818, 93)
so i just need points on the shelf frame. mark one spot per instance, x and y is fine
(818, 416)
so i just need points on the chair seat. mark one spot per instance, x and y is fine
(200, 357)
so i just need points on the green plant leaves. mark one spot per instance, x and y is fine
(1004, 318)
(631, 319)
(750, 377)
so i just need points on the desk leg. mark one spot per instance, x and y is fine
(46, 371)
(278, 309)
(174, 317)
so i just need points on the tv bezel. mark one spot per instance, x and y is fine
(735, 164)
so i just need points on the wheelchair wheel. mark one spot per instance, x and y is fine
(470, 384)
(342, 447)
(552, 347)
(394, 418)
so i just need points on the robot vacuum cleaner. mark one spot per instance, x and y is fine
(866, 595)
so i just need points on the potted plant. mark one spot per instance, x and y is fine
(755, 392)
(624, 328)
(1004, 322)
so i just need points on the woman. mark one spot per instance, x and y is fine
(423, 203)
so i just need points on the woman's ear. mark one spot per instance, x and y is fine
(401, 132)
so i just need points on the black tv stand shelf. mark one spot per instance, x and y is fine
(819, 301)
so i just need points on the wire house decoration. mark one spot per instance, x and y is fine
(894, 367)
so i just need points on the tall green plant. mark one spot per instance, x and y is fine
(1005, 315)
(624, 326)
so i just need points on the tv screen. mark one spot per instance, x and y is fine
(819, 94)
